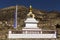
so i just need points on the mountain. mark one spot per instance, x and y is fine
(44, 17)
(47, 20)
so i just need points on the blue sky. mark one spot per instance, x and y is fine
(38, 4)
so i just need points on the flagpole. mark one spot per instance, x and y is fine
(16, 16)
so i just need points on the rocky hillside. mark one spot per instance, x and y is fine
(47, 20)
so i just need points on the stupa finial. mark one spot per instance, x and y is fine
(30, 14)
(30, 8)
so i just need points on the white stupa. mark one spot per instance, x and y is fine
(31, 29)
(31, 23)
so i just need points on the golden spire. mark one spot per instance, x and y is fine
(30, 13)
(30, 8)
